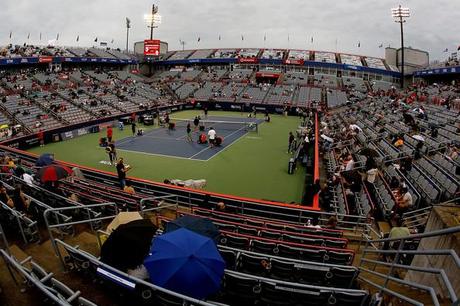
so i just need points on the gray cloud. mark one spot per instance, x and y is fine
(433, 26)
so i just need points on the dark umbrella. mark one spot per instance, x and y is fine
(53, 173)
(368, 152)
(128, 245)
(186, 262)
(44, 160)
(198, 225)
(409, 119)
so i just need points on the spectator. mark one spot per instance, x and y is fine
(404, 202)
(20, 201)
(29, 179)
(121, 171)
(129, 188)
(4, 197)
(331, 223)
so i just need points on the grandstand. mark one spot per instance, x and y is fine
(362, 209)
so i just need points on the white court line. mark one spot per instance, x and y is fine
(223, 148)
(161, 155)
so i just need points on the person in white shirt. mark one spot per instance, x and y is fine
(212, 136)
(29, 179)
(350, 164)
(371, 175)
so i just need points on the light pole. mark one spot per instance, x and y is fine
(153, 19)
(400, 14)
(182, 44)
(128, 26)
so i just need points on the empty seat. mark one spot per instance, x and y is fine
(263, 247)
(338, 258)
(283, 270)
(235, 242)
(240, 290)
(230, 258)
(248, 231)
(341, 277)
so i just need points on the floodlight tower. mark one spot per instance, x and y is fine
(400, 14)
(128, 26)
(153, 19)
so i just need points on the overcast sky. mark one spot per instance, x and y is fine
(433, 26)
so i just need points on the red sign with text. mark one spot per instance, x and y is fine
(152, 47)
(294, 62)
(45, 59)
(248, 60)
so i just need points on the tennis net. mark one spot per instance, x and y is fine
(251, 126)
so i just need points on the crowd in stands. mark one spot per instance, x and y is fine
(393, 151)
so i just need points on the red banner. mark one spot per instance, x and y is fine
(45, 59)
(299, 62)
(267, 75)
(152, 47)
(249, 60)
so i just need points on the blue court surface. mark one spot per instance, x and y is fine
(173, 143)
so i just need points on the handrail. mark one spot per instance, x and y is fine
(10, 261)
(89, 220)
(6, 246)
(396, 264)
(441, 232)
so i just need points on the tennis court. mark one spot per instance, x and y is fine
(173, 143)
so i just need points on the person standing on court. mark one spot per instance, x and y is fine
(196, 123)
(205, 112)
(121, 171)
(133, 127)
(109, 133)
(212, 136)
(291, 142)
(189, 132)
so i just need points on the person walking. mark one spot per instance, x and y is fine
(189, 133)
(291, 142)
(109, 134)
(121, 171)
(133, 127)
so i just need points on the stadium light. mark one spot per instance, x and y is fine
(128, 26)
(153, 19)
(400, 14)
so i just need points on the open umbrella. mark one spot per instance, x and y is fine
(368, 152)
(202, 226)
(419, 137)
(123, 218)
(45, 160)
(4, 126)
(53, 173)
(128, 245)
(187, 263)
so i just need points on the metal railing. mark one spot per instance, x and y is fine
(90, 220)
(416, 219)
(401, 261)
(27, 227)
(5, 244)
(12, 263)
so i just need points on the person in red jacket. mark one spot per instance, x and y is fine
(41, 138)
(109, 134)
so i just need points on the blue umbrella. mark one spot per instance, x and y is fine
(185, 262)
(198, 225)
(45, 160)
